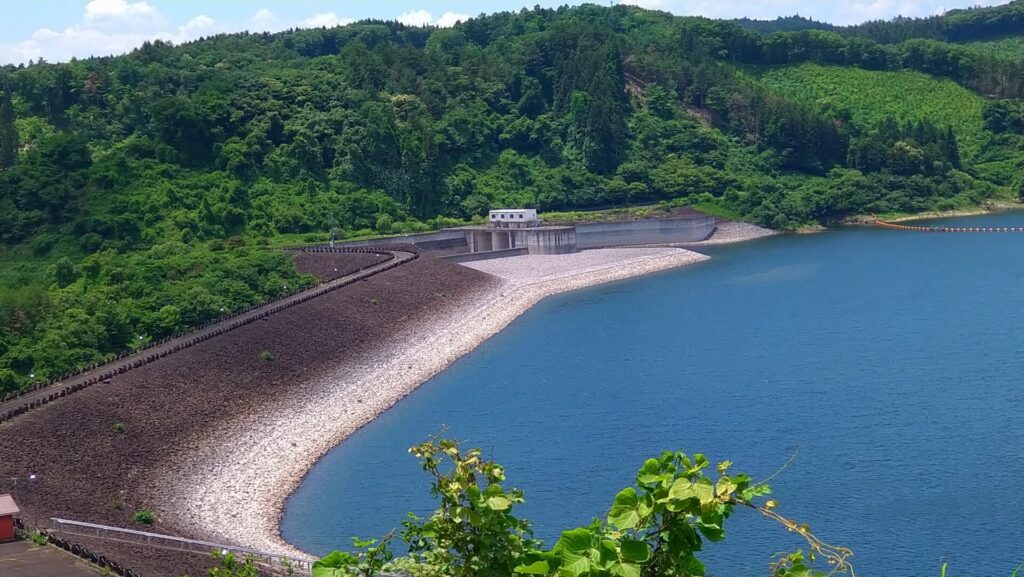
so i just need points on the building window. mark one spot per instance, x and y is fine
(520, 216)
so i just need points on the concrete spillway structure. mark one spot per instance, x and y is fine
(536, 240)
(494, 241)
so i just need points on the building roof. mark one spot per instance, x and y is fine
(7, 506)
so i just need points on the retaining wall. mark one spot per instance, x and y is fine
(639, 232)
(548, 240)
(442, 240)
(472, 256)
(110, 566)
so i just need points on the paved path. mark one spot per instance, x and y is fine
(400, 257)
(26, 559)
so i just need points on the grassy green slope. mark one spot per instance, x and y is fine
(870, 96)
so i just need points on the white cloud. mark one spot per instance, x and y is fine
(71, 42)
(329, 19)
(110, 27)
(195, 27)
(97, 36)
(265, 21)
(121, 16)
(424, 18)
(415, 18)
(649, 4)
(449, 19)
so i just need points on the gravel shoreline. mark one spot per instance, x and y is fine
(217, 439)
(241, 474)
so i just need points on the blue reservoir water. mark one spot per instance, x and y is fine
(890, 362)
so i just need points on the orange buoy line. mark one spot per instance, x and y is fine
(895, 226)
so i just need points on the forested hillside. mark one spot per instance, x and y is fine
(137, 193)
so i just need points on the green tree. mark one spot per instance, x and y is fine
(8, 133)
(64, 272)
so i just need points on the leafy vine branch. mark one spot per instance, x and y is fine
(654, 528)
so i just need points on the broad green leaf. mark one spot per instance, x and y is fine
(498, 503)
(724, 487)
(699, 463)
(574, 565)
(682, 489)
(650, 473)
(692, 565)
(624, 517)
(645, 507)
(634, 550)
(576, 540)
(625, 569)
(624, 514)
(536, 568)
(686, 462)
(627, 496)
(750, 493)
(702, 490)
(705, 491)
(713, 531)
(335, 564)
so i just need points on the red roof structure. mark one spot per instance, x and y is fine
(7, 511)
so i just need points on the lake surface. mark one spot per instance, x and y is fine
(890, 362)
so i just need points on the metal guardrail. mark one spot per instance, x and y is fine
(81, 529)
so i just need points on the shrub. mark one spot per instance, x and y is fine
(266, 357)
(144, 516)
(230, 566)
(655, 527)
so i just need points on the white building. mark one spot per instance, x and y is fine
(513, 218)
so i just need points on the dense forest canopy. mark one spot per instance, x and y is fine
(137, 192)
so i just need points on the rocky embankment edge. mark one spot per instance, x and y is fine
(244, 472)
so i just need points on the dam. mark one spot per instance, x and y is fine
(868, 354)
(522, 232)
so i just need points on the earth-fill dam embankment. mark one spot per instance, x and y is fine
(202, 428)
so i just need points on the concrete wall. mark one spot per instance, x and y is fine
(471, 256)
(560, 240)
(450, 240)
(480, 240)
(634, 232)
(556, 240)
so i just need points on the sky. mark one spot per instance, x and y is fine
(58, 30)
